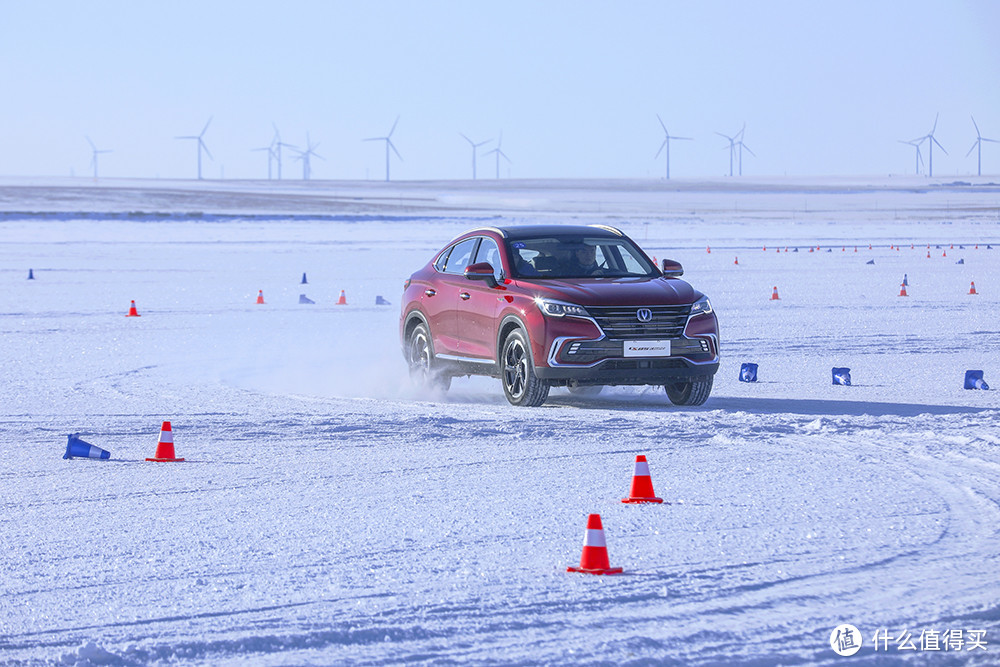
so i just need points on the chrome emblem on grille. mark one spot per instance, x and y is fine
(644, 315)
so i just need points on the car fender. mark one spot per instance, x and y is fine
(409, 321)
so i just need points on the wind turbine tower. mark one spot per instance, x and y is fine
(919, 160)
(95, 153)
(388, 145)
(498, 152)
(270, 156)
(278, 145)
(732, 148)
(929, 138)
(978, 147)
(742, 145)
(666, 143)
(201, 145)
(305, 155)
(474, 147)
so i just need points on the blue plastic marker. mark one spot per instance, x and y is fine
(842, 376)
(77, 448)
(974, 380)
(748, 373)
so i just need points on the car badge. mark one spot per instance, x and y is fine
(644, 315)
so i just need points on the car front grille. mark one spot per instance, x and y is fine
(622, 323)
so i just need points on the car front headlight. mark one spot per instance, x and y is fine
(701, 307)
(560, 308)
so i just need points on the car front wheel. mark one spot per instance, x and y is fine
(420, 359)
(690, 392)
(520, 384)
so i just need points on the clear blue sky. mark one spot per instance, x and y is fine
(825, 88)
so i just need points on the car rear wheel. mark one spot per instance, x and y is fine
(420, 359)
(520, 384)
(690, 392)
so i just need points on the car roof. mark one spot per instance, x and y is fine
(533, 231)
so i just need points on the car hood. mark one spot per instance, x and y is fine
(618, 291)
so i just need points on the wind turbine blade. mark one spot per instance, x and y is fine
(661, 148)
(482, 143)
(748, 149)
(992, 141)
(207, 152)
(91, 143)
(935, 123)
(683, 138)
(724, 136)
(187, 137)
(939, 144)
(974, 144)
(976, 126)
(393, 127)
(205, 129)
(368, 139)
(662, 125)
(393, 147)
(471, 143)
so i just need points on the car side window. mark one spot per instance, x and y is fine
(443, 258)
(489, 252)
(460, 256)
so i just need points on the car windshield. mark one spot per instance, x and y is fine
(578, 257)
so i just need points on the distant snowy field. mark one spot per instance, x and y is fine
(328, 514)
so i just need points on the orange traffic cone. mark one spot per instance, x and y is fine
(902, 290)
(709, 249)
(774, 294)
(972, 289)
(132, 312)
(642, 484)
(342, 301)
(594, 559)
(928, 254)
(260, 297)
(944, 253)
(165, 446)
(736, 261)
(765, 248)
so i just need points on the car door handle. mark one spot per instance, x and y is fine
(430, 292)
(465, 296)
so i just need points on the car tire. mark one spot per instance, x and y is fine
(585, 390)
(420, 360)
(517, 372)
(690, 392)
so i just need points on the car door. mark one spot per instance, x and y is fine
(475, 315)
(451, 281)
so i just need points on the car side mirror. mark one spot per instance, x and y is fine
(672, 269)
(482, 271)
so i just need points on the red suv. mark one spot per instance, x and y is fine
(557, 306)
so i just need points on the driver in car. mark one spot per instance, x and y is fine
(583, 261)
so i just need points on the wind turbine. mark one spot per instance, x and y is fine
(978, 145)
(201, 145)
(278, 144)
(732, 147)
(474, 147)
(93, 159)
(666, 144)
(270, 155)
(388, 144)
(304, 156)
(919, 160)
(929, 138)
(499, 153)
(742, 146)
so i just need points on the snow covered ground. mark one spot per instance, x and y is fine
(327, 514)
